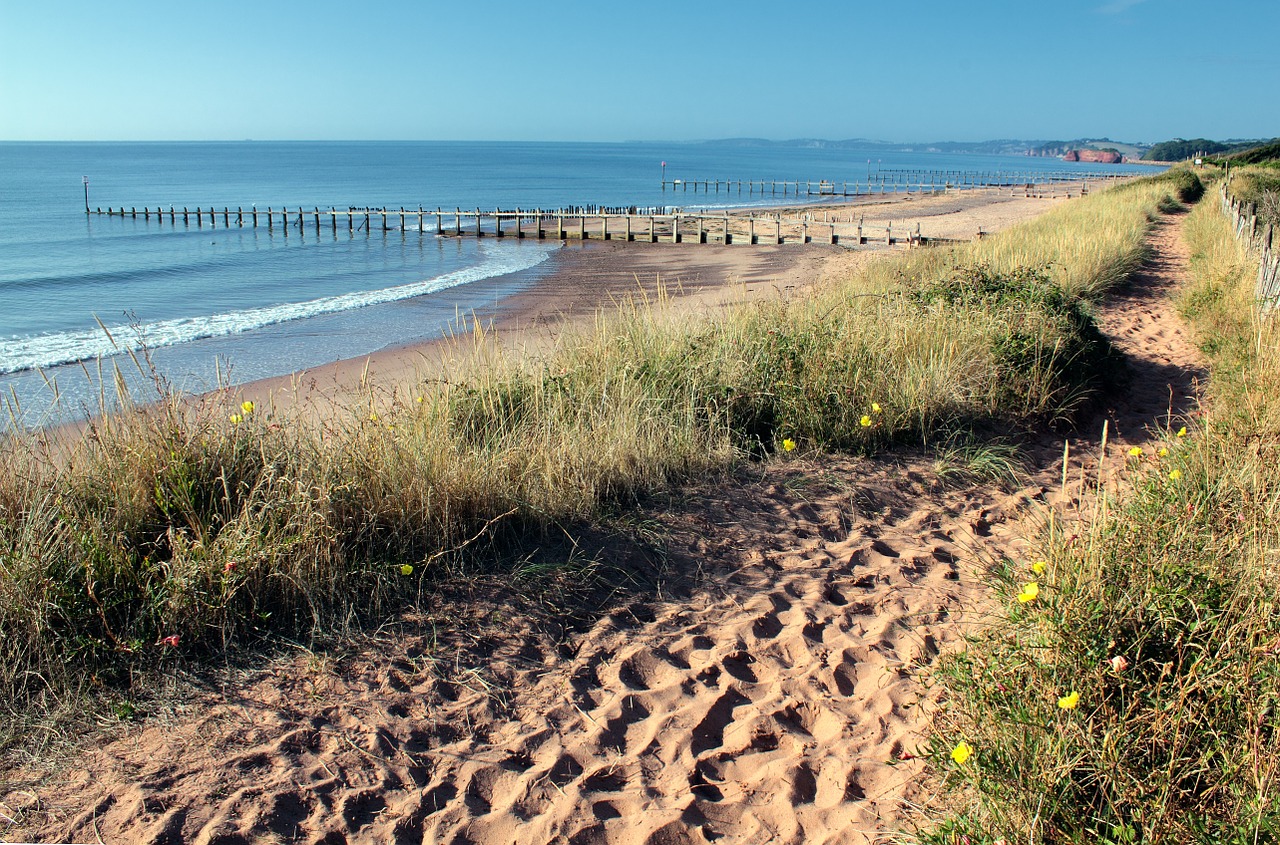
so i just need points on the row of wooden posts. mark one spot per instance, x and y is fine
(889, 181)
(1260, 240)
(579, 224)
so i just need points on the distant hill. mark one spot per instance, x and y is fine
(1264, 154)
(1180, 149)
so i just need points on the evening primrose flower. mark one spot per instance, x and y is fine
(1069, 702)
(962, 752)
(1029, 592)
(866, 421)
(1164, 452)
(236, 419)
(246, 406)
(406, 569)
(1135, 451)
(788, 445)
(1182, 432)
(875, 407)
(1175, 475)
(1039, 567)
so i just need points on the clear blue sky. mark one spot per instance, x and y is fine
(633, 70)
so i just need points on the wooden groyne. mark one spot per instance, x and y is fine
(892, 182)
(582, 223)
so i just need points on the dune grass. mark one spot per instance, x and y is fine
(177, 528)
(1130, 695)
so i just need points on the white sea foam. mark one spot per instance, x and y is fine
(25, 353)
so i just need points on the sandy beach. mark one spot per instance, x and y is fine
(591, 275)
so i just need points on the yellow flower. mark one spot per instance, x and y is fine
(1068, 702)
(1029, 592)
(1176, 474)
(406, 569)
(246, 406)
(962, 752)
(236, 419)
(1039, 567)
(373, 418)
(1135, 451)
(1164, 452)
(419, 400)
(1182, 432)
(788, 445)
(875, 407)
(866, 421)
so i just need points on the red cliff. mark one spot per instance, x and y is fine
(1097, 156)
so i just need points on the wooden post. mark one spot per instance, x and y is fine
(519, 227)
(653, 232)
(888, 234)
(497, 223)
(226, 217)
(629, 238)
(401, 218)
(751, 230)
(420, 212)
(270, 220)
(333, 220)
(702, 230)
(675, 228)
(582, 226)
(728, 236)
(199, 217)
(804, 231)
(478, 232)
(457, 221)
(146, 212)
(777, 237)
(537, 223)
(604, 227)
(833, 233)
(316, 211)
(439, 221)
(560, 227)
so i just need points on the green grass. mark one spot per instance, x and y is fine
(1160, 612)
(216, 525)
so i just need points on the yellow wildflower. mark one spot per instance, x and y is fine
(1029, 592)
(788, 445)
(246, 406)
(866, 421)
(373, 418)
(236, 419)
(406, 569)
(1135, 451)
(1175, 475)
(1164, 452)
(1182, 432)
(1039, 567)
(1068, 702)
(962, 752)
(875, 407)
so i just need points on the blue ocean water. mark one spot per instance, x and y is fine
(264, 303)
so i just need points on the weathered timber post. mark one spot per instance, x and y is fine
(316, 211)
(804, 231)
(333, 220)
(604, 227)
(457, 221)
(728, 236)
(199, 217)
(497, 223)
(751, 229)
(653, 232)
(420, 213)
(629, 238)
(537, 224)
(478, 232)
(270, 218)
(560, 227)
(582, 225)
(439, 221)
(702, 230)
(402, 218)
(519, 225)
(833, 233)
(226, 217)
(888, 234)
(777, 236)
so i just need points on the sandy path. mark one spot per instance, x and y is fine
(757, 683)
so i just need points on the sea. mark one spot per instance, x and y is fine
(214, 305)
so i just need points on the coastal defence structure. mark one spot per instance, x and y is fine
(657, 224)
(1259, 241)
(891, 181)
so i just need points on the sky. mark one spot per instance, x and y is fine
(566, 70)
